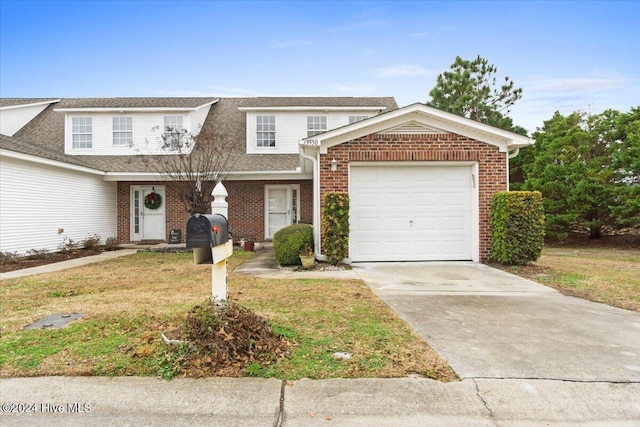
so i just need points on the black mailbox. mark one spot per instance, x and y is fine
(207, 231)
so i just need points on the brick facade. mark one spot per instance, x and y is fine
(492, 165)
(246, 207)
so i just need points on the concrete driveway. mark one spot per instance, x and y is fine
(491, 324)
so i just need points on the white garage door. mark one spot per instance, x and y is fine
(411, 213)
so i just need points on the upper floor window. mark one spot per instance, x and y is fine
(266, 131)
(316, 125)
(353, 119)
(82, 132)
(173, 135)
(122, 130)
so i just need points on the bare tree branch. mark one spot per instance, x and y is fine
(194, 164)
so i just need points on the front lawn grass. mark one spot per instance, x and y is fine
(606, 275)
(127, 302)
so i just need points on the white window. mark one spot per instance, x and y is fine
(122, 130)
(82, 132)
(316, 125)
(353, 119)
(173, 135)
(173, 123)
(266, 131)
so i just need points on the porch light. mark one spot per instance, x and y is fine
(334, 165)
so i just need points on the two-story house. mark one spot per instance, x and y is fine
(420, 179)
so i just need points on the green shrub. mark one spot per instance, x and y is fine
(335, 227)
(517, 219)
(289, 241)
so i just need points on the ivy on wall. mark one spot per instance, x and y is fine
(335, 227)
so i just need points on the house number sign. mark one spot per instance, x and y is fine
(310, 142)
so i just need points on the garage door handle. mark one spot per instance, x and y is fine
(410, 223)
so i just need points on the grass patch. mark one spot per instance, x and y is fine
(605, 275)
(127, 302)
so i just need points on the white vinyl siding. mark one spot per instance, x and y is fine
(316, 125)
(291, 128)
(37, 201)
(266, 131)
(122, 130)
(82, 132)
(14, 119)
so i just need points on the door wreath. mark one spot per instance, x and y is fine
(152, 200)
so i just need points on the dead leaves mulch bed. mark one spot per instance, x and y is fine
(224, 339)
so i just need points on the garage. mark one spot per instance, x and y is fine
(420, 183)
(411, 212)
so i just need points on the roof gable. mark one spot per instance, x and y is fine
(420, 118)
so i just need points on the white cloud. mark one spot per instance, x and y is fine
(400, 70)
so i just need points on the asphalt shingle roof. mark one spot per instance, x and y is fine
(44, 135)
(8, 102)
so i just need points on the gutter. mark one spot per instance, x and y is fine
(316, 205)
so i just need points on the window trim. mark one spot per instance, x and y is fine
(84, 132)
(266, 129)
(166, 134)
(120, 131)
(314, 126)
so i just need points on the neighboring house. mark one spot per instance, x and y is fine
(420, 180)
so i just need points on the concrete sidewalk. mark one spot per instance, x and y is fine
(80, 401)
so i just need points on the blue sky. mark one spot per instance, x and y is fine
(566, 56)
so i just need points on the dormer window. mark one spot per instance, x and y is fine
(316, 125)
(82, 132)
(122, 130)
(266, 131)
(354, 119)
(174, 134)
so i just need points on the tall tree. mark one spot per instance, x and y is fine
(582, 167)
(470, 89)
(626, 166)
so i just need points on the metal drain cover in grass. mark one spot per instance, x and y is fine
(55, 321)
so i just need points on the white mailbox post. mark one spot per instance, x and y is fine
(220, 253)
(209, 237)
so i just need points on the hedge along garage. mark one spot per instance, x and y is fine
(420, 181)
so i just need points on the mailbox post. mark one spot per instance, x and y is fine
(209, 237)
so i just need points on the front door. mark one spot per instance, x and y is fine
(282, 207)
(148, 220)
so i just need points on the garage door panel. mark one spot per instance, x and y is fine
(455, 223)
(367, 225)
(410, 213)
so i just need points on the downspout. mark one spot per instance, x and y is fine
(316, 204)
(511, 155)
